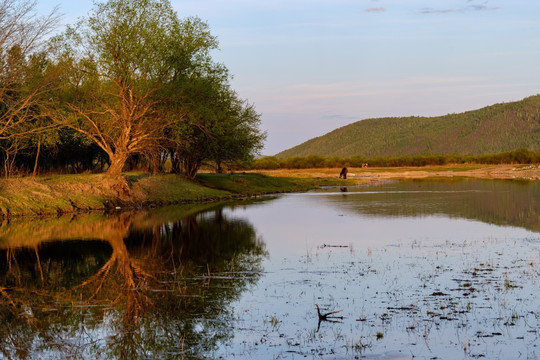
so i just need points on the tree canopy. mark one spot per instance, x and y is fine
(121, 58)
(220, 127)
(128, 69)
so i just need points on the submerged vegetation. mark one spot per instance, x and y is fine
(404, 270)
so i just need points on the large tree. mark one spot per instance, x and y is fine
(125, 61)
(219, 126)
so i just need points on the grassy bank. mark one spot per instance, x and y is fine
(71, 193)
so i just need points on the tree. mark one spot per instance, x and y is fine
(219, 127)
(24, 75)
(237, 138)
(125, 61)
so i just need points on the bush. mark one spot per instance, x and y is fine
(266, 163)
(519, 156)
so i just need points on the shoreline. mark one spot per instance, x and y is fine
(373, 174)
(66, 194)
(63, 194)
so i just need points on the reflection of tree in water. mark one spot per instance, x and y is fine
(155, 291)
(497, 202)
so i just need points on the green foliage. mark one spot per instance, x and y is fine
(493, 129)
(520, 156)
(132, 84)
(23, 79)
(127, 65)
(142, 85)
(219, 126)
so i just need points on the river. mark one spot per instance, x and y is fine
(399, 270)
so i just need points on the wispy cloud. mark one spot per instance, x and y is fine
(471, 6)
(375, 9)
(340, 117)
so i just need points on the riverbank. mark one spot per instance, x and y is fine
(58, 194)
(373, 174)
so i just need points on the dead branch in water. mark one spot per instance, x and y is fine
(325, 317)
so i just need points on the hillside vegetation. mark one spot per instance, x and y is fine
(493, 129)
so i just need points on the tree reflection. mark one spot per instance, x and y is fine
(126, 286)
(499, 202)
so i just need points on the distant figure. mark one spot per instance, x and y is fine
(344, 189)
(343, 173)
(365, 165)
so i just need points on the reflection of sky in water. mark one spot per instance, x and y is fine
(294, 224)
(442, 270)
(391, 261)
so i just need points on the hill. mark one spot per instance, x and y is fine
(492, 129)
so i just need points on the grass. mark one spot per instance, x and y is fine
(58, 194)
(70, 193)
(256, 184)
(363, 175)
(173, 188)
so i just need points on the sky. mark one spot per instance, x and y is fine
(311, 66)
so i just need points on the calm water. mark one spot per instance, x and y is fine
(420, 269)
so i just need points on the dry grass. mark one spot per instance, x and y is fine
(370, 174)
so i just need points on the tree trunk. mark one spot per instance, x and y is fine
(219, 169)
(34, 173)
(6, 159)
(175, 162)
(154, 163)
(191, 167)
(118, 160)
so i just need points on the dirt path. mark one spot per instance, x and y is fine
(525, 172)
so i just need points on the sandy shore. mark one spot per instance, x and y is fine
(369, 174)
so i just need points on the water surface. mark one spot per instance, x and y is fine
(419, 269)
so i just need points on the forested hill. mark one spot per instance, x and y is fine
(493, 129)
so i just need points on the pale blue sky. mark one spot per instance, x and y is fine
(310, 66)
